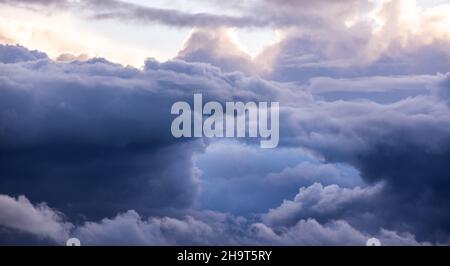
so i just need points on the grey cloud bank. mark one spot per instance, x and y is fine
(271, 13)
(100, 146)
(197, 228)
(86, 148)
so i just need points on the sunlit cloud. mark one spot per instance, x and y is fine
(42, 33)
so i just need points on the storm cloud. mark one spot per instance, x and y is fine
(92, 141)
(93, 138)
(86, 148)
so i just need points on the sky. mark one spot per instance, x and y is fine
(86, 89)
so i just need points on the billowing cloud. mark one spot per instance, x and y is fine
(197, 228)
(365, 126)
(77, 116)
(14, 54)
(404, 144)
(39, 220)
(130, 228)
(323, 203)
(244, 179)
(37, 2)
(397, 38)
(217, 48)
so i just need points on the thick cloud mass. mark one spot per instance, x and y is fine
(86, 148)
(93, 138)
(87, 139)
(39, 220)
(15, 54)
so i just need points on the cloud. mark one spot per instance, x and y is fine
(217, 48)
(385, 40)
(197, 228)
(95, 136)
(272, 13)
(40, 220)
(100, 128)
(379, 89)
(371, 83)
(14, 54)
(337, 233)
(329, 202)
(303, 56)
(111, 9)
(403, 144)
(368, 47)
(70, 126)
(244, 179)
(443, 88)
(344, 215)
(36, 2)
(310, 172)
(122, 10)
(397, 38)
(132, 229)
(310, 232)
(66, 57)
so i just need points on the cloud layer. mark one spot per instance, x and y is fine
(91, 140)
(86, 148)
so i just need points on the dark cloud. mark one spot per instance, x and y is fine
(269, 15)
(194, 228)
(92, 138)
(15, 54)
(67, 57)
(40, 2)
